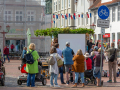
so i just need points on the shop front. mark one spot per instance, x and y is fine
(106, 38)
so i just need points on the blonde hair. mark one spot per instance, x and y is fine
(99, 50)
(79, 52)
(32, 46)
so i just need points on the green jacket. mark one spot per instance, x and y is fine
(33, 68)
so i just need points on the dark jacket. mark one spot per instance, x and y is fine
(92, 61)
(97, 60)
(6, 51)
(89, 45)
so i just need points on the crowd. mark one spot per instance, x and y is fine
(78, 63)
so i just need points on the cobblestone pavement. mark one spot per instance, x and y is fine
(12, 73)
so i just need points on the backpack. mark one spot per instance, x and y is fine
(112, 57)
(51, 60)
(29, 58)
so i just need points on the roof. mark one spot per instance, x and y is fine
(98, 3)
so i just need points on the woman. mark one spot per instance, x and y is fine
(97, 62)
(54, 72)
(32, 69)
(78, 67)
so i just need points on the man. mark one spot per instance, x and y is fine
(68, 55)
(107, 47)
(91, 49)
(112, 65)
(61, 68)
(6, 53)
(12, 47)
(89, 44)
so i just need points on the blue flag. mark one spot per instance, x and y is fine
(74, 17)
(82, 16)
(65, 17)
(54, 21)
(69, 15)
(56, 16)
(90, 15)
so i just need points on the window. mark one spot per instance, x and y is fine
(69, 3)
(8, 15)
(62, 4)
(56, 6)
(113, 14)
(65, 4)
(30, 16)
(18, 16)
(59, 4)
(68, 21)
(78, 21)
(118, 13)
(95, 17)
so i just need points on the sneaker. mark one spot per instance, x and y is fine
(51, 86)
(56, 86)
(110, 81)
(67, 82)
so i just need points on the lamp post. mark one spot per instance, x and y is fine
(93, 26)
(3, 32)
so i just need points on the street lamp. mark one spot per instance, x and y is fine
(3, 32)
(93, 26)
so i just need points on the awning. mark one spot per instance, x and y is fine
(106, 35)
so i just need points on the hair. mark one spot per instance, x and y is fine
(56, 45)
(53, 50)
(99, 50)
(25, 48)
(79, 52)
(93, 46)
(32, 46)
(112, 44)
(67, 45)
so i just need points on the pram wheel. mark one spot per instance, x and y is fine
(19, 82)
(86, 81)
(44, 81)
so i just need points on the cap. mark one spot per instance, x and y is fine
(67, 43)
(95, 47)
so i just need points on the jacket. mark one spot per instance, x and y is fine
(67, 54)
(33, 68)
(12, 46)
(89, 45)
(89, 63)
(6, 51)
(111, 51)
(78, 65)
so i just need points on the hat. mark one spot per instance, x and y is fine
(67, 43)
(96, 47)
(87, 55)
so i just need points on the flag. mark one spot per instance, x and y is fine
(74, 17)
(78, 15)
(71, 17)
(53, 15)
(51, 21)
(87, 15)
(62, 16)
(74, 14)
(90, 15)
(56, 16)
(66, 15)
(54, 22)
(82, 16)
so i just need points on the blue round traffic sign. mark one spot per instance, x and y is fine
(103, 12)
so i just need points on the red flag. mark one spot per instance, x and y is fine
(62, 16)
(74, 14)
(66, 15)
(78, 15)
(87, 15)
(71, 17)
(53, 15)
(51, 21)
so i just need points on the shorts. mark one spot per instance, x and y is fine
(96, 72)
(67, 67)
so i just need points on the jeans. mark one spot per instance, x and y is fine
(7, 57)
(77, 75)
(31, 79)
(96, 72)
(55, 79)
(61, 74)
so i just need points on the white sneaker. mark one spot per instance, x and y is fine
(51, 86)
(56, 86)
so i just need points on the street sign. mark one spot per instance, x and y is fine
(103, 12)
(103, 31)
(103, 23)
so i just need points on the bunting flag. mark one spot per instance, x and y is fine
(71, 17)
(54, 22)
(56, 16)
(66, 15)
(62, 16)
(53, 15)
(87, 15)
(78, 15)
(74, 17)
(90, 15)
(74, 14)
(51, 21)
(82, 16)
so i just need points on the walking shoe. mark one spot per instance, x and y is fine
(67, 82)
(56, 86)
(51, 86)
(75, 85)
(63, 83)
(110, 81)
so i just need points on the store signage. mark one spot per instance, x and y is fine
(106, 36)
(118, 40)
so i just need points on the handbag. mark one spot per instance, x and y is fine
(51, 60)
(112, 57)
(59, 61)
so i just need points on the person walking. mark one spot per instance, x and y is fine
(112, 65)
(60, 68)
(23, 53)
(78, 67)
(53, 70)
(6, 53)
(91, 49)
(32, 69)
(12, 47)
(97, 63)
(89, 44)
(68, 55)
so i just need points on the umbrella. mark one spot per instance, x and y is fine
(28, 38)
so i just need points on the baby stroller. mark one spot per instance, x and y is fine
(23, 78)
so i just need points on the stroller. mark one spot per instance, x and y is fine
(23, 78)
